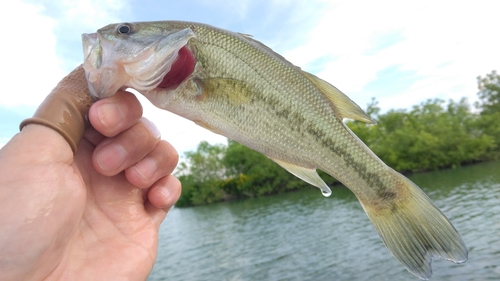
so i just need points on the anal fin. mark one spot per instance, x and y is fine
(306, 174)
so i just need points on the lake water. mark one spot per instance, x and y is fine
(305, 236)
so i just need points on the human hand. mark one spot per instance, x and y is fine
(94, 215)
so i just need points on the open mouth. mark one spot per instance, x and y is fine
(92, 62)
(182, 67)
(89, 41)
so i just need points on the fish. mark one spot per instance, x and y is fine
(235, 86)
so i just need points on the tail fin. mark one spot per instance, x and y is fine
(415, 231)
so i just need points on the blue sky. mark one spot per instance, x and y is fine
(401, 53)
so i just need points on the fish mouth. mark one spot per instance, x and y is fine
(92, 60)
(107, 70)
(102, 67)
(89, 42)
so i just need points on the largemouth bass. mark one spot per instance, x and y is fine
(235, 86)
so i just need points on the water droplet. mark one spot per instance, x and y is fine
(326, 192)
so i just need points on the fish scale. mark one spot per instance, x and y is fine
(243, 90)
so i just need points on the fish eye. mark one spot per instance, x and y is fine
(124, 29)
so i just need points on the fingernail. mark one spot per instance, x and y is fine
(164, 191)
(151, 127)
(110, 157)
(146, 168)
(110, 115)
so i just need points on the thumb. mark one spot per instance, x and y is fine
(65, 109)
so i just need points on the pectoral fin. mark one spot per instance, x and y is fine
(308, 175)
(233, 91)
(208, 127)
(343, 106)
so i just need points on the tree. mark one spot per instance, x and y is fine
(430, 136)
(252, 174)
(202, 173)
(215, 173)
(489, 93)
(489, 104)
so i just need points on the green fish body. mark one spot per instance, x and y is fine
(235, 86)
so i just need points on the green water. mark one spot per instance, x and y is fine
(304, 236)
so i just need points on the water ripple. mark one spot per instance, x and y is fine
(304, 236)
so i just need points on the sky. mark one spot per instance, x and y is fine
(399, 52)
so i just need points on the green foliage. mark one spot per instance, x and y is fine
(489, 93)
(205, 163)
(215, 172)
(432, 135)
(489, 104)
(201, 173)
(252, 174)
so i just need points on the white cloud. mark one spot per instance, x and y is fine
(93, 14)
(239, 8)
(447, 43)
(30, 65)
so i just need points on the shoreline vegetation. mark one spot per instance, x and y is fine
(430, 136)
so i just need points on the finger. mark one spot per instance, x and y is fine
(65, 109)
(162, 196)
(113, 115)
(118, 153)
(157, 164)
(93, 136)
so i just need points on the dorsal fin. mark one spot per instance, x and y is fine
(259, 44)
(343, 106)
